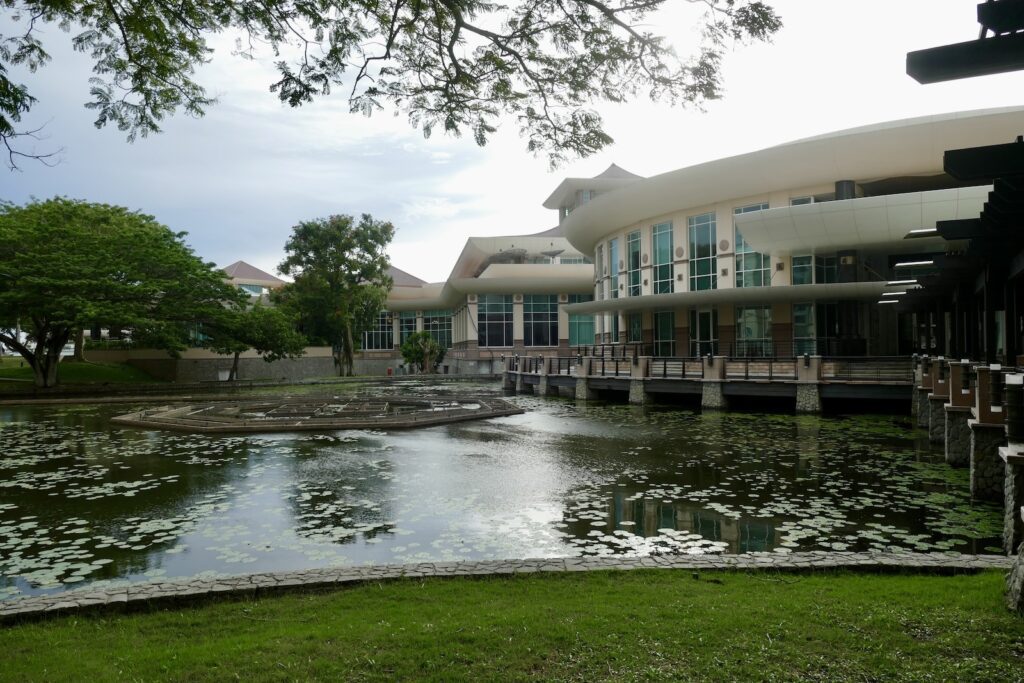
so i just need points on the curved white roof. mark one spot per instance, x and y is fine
(859, 223)
(899, 148)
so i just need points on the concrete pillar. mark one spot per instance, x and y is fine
(546, 388)
(808, 398)
(1013, 497)
(987, 470)
(711, 396)
(508, 381)
(922, 410)
(958, 436)
(936, 418)
(638, 395)
(583, 390)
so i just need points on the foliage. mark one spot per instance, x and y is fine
(68, 265)
(341, 279)
(268, 331)
(422, 351)
(13, 368)
(663, 625)
(452, 64)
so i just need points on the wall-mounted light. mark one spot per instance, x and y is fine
(893, 293)
(893, 283)
(921, 232)
(909, 264)
(889, 301)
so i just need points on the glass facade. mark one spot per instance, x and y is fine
(636, 328)
(703, 332)
(664, 333)
(753, 331)
(633, 262)
(703, 252)
(581, 327)
(599, 271)
(406, 325)
(752, 267)
(661, 252)
(826, 269)
(540, 320)
(802, 270)
(804, 336)
(438, 324)
(494, 320)
(381, 336)
(613, 269)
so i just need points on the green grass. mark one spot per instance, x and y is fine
(650, 625)
(14, 367)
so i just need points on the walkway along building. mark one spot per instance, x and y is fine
(791, 250)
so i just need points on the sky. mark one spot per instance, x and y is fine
(238, 179)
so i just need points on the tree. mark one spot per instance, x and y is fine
(67, 265)
(266, 330)
(341, 280)
(422, 351)
(452, 64)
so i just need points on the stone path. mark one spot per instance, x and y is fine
(145, 594)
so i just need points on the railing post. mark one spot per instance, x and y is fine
(1014, 411)
(996, 385)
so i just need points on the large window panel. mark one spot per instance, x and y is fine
(438, 324)
(703, 252)
(753, 269)
(613, 269)
(540, 320)
(633, 263)
(661, 248)
(664, 333)
(380, 337)
(581, 327)
(494, 320)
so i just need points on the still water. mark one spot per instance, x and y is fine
(83, 502)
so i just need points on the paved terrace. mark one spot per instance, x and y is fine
(139, 595)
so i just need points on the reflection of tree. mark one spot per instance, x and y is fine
(100, 457)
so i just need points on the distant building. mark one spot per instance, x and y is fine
(251, 279)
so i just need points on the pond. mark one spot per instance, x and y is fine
(84, 502)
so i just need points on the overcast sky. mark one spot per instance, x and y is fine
(239, 178)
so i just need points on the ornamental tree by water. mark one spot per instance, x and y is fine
(67, 265)
(341, 280)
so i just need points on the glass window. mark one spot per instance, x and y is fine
(703, 332)
(826, 269)
(406, 325)
(664, 333)
(633, 262)
(661, 249)
(753, 331)
(599, 271)
(804, 337)
(581, 326)
(494, 320)
(613, 269)
(636, 328)
(540, 320)
(752, 267)
(797, 201)
(438, 324)
(380, 337)
(703, 250)
(572, 260)
(252, 290)
(802, 270)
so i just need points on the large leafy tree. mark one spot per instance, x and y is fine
(268, 331)
(67, 265)
(451, 64)
(341, 279)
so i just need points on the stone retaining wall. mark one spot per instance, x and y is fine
(140, 595)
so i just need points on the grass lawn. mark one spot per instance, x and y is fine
(639, 625)
(14, 367)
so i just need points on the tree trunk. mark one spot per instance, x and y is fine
(234, 368)
(45, 365)
(80, 345)
(347, 351)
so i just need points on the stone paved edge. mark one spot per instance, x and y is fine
(150, 593)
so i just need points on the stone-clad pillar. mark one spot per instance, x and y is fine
(987, 470)
(638, 373)
(712, 397)
(958, 436)
(583, 390)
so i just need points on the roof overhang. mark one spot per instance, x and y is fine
(866, 223)
(839, 291)
(900, 148)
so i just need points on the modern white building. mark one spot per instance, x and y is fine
(783, 251)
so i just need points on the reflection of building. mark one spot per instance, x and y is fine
(784, 251)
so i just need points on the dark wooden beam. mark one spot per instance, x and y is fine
(986, 163)
(962, 229)
(981, 57)
(1001, 16)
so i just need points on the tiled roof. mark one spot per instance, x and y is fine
(240, 270)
